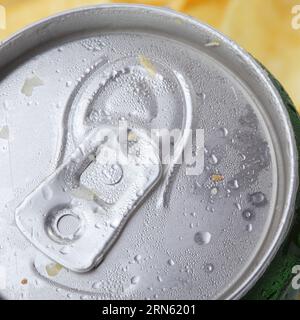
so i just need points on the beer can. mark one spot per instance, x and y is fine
(194, 203)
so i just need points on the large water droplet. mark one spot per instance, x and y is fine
(258, 199)
(208, 267)
(202, 238)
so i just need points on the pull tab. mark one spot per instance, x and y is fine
(77, 213)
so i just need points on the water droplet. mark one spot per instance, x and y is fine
(208, 267)
(249, 227)
(238, 205)
(243, 157)
(202, 238)
(233, 184)
(248, 215)
(135, 280)
(258, 199)
(210, 209)
(159, 279)
(213, 159)
(114, 225)
(202, 96)
(171, 262)
(224, 132)
(68, 84)
(140, 193)
(138, 258)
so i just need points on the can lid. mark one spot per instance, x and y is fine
(208, 235)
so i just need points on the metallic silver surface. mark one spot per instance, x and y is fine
(97, 192)
(212, 235)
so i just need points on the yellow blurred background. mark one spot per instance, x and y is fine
(263, 27)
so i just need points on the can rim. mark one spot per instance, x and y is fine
(264, 78)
